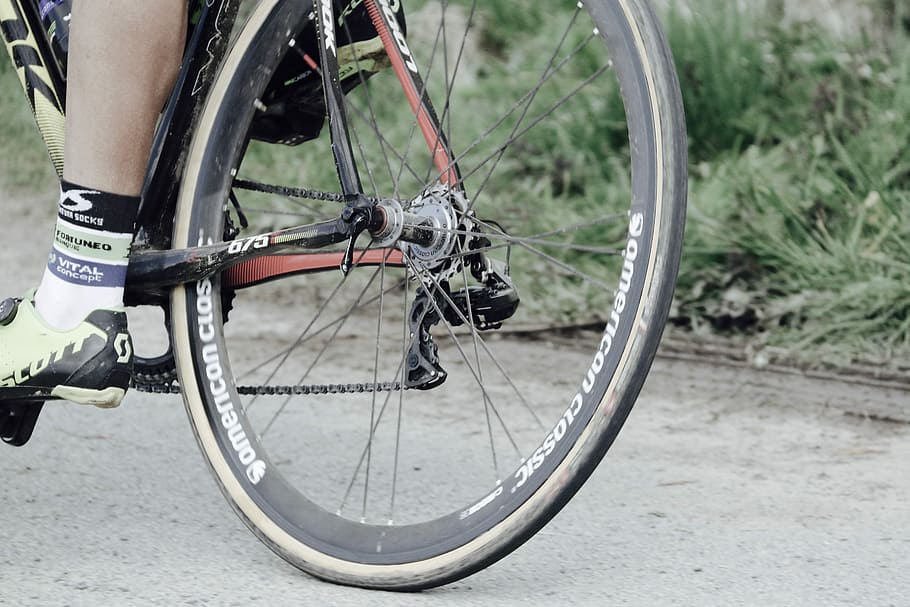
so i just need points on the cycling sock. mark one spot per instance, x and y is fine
(86, 268)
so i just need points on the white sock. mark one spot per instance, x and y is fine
(86, 268)
(63, 305)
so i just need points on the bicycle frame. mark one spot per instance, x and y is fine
(154, 268)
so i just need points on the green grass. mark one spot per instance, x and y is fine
(799, 228)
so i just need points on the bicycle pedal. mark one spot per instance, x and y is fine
(17, 421)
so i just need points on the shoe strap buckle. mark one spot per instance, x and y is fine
(8, 309)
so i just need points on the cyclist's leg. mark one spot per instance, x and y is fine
(124, 58)
(122, 66)
(72, 342)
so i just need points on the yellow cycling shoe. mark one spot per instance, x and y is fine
(90, 364)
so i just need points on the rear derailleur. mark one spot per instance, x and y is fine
(483, 307)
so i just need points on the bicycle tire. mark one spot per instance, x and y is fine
(296, 509)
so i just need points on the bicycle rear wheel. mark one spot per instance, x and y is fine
(567, 137)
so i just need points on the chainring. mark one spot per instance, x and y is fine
(162, 370)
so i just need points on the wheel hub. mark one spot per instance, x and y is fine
(443, 212)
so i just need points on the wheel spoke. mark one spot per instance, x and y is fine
(366, 486)
(527, 105)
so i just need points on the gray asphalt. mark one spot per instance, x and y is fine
(727, 487)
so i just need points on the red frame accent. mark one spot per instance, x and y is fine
(441, 157)
(261, 269)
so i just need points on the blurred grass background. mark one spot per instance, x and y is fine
(799, 227)
(798, 239)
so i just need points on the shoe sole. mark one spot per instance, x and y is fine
(104, 399)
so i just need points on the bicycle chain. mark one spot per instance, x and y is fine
(294, 192)
(297, 390)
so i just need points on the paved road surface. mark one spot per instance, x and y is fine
(727, 487)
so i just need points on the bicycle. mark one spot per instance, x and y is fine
(438, 263)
